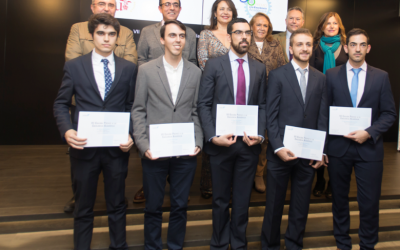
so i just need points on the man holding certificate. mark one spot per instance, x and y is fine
(296, 97)
(228, 81)
(166, 126)
(357, 92)
(101, 82)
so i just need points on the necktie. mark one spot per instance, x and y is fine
(354, 87)
(303, 83)
(107, 77)
(241, 85)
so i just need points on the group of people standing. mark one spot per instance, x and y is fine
(292, 77)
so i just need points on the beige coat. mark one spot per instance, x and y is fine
(281, 37)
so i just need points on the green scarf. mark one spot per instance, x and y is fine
(329, 58)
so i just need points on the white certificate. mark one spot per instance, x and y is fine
(172, 139)
(344, 120)
(104, 129)
(305, 143)
(234, 119)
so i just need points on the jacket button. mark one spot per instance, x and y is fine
(174, 110)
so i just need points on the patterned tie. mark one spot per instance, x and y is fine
(107, 77)
(303, 83)
(241, 85)
(354, 87)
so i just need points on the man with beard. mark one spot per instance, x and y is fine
(359, 85)
(296, 96)
(233, 79)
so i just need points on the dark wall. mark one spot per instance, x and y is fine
(36, 32)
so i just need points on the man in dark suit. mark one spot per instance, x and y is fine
(232, 79)
(100, 82)
(357, 84)
(296, 96)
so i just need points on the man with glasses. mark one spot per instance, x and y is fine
(150, 47)
(232, 79)
(80, 42)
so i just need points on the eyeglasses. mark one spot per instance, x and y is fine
(103, 5)
(240, 32)
(167, 4)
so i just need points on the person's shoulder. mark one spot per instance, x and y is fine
(150, 65)
(283, 69)
(191, 66)
(190, 32)
(124, 63)
(274, 42)
(77, 62)
(333, 71)
(316, 72)
(280, 34)
(148, 28)
(377, 71)
(124, 30)
(256, 63)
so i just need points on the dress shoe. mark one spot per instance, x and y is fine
(328, 191)
(206, 194)
(70, 206)
(259, 184)
(139, 196)
(319, 189)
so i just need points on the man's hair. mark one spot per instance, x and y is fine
(102, 18)
(235, 20)
(269, 37)
(356, 31)
(295, 8)
(162, 30)
(298, 32)
(180, 5)
(323, 22)
(114, 0)
(213, 20)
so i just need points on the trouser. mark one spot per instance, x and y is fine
(262, 158)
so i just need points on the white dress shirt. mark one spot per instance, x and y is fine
(288, 35)
(235, 67)
(174, 76)
(260, 46)
(98, 70)
(362, 76)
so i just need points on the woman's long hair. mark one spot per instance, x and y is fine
(319, 32)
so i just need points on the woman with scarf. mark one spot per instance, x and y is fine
(328, 52)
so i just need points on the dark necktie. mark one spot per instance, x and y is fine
(241, 85)
(107, 77)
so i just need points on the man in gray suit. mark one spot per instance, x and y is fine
(150, 47)
(166, 92)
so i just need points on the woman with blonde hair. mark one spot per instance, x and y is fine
(328, 53)
(267, 50)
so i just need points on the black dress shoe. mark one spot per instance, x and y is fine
(206, 194)
(328, 191)
(319, 188)
(70, 206)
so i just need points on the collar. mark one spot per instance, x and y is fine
(97, 58)
(233, 56)
(162, 22)
(363, 66)
(296, 66)
(288, 34)
(170, 67)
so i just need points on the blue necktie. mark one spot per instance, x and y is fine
(107, 77)
(354, 87)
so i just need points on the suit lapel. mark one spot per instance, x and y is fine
(344, 85)
(368, 84)
(184, 80)
(294, 83)
(88, 67)
(164, 78)
(252, 79)
(118, 72)
(226, 64)
(156, 30)
(310, 86)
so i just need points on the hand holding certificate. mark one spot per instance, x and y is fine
(305, 143)
(343, 120)
(237, 119)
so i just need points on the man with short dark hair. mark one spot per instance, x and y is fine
(294, 20)
(167, 90)
(358, 85)
(296, 96)
(233, 79)
(101, 82)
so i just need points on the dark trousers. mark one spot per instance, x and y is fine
(181, 174)
(369, 180)
(85, 178)
(234, 167)
(301, 175)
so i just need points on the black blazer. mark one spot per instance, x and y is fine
(377, 95)
(79, 80)
(216, 87)
(317, 58)
(285, 106)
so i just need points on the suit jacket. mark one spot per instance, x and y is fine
(154, 105)
(285, 106)
(281, 37)
(80, 42)
(318, 57)
(217, 88)
(271, 56)
(377, 96)
(150, 47)
(79, 80)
